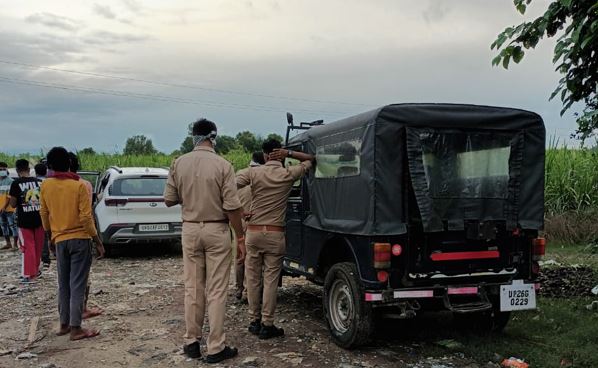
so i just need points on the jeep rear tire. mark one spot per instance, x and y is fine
(350, 318)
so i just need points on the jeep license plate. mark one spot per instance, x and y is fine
(154, 227)
(518, 296)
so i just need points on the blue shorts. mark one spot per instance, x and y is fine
(8, 224)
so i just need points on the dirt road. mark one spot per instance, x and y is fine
(141, 292)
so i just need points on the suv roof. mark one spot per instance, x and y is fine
(139, 170)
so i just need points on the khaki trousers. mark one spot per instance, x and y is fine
(240, 269)
(265, 251)
(240, 277)
(207, 249)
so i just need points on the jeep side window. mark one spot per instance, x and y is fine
(338, 160)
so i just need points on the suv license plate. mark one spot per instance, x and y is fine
(518, 296)
(154, 227)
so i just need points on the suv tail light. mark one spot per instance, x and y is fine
(115, 202)
(538, 248)
(382, 255)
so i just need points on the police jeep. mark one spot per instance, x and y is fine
(414, 207)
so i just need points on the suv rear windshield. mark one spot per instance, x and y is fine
(466, 165)
(139, 186)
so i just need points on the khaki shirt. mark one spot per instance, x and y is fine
(245, 194)
(270, 187)
(204, 184)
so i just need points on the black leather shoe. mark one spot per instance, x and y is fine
(227, 353)
(192, 350)
(255, 327)
(269, 332)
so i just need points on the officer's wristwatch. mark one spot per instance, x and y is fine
(289, 153)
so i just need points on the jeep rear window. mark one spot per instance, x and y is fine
(466, 165)
(338, 160)
(138, 187)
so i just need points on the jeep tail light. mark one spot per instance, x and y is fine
(538, 248)
(381, 255)
(382, 276)
(110, 202)
(397, 250)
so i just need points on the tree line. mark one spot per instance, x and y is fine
(244, 141)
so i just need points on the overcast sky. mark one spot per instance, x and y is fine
(244, 64)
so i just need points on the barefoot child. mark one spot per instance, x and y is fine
(66, 216)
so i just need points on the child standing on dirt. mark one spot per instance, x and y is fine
(66, 216)
(24, 196)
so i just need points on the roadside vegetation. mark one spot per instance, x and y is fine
(571, 174)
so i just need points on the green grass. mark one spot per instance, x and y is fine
(102, 161)
(559, 329)
(571, 180)
(571, 174)
(569, 254)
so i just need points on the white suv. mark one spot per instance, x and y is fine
(130, 207)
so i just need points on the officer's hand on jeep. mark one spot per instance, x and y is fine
(241, 251)
(279, 154)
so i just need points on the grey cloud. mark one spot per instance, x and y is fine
(55, 21)
(133, 6)
(126, 21)
(275, 5)
(43, 49)
(111, 38)
(436, 11)
(104, 11)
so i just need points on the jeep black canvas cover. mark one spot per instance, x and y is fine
(460, 162)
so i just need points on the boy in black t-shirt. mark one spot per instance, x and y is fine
(25, 197)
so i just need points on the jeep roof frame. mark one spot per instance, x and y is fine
(304, 125)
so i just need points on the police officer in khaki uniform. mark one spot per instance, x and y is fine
(270, 188)
(257, 159)
(203, 183)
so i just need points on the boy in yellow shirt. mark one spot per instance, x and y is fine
(66, 216)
